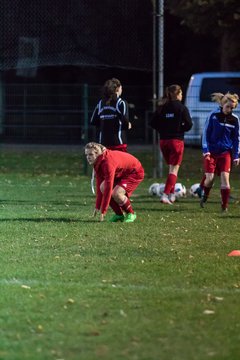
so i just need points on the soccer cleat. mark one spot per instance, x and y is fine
(224, 210)
(116, 218)
(203, 199)
(130, 217)
(198, 192)
(172, 198)
(165, 200)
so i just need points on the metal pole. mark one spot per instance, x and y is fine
(160, 47)
(85, 117)
(2, 105)
(160, 67)
(25, 93)
(154, 83)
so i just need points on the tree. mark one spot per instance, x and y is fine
(217, 18)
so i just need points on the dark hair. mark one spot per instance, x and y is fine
(109, 89)
(171, 93)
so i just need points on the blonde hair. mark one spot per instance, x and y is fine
(222, 99)
(97, 148)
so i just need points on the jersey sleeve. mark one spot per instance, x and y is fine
(122, 108)
(186, 120)
(205, 135)
(236, 141)
(95, 118)
(99, 195)
(108, 170)
(155, 121)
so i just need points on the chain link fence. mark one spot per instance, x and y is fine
(80, 33)
(77, 32)
(60, 113)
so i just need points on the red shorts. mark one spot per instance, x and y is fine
(172, 151)
(218, 163)
(131, 182)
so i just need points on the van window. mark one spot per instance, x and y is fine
(223, 85)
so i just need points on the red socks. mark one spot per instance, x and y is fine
(206, 191)
(116, 208)
(225, 193)
(126, 206)
(170, 184)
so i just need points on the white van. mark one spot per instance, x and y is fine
(198, 98)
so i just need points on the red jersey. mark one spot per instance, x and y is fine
(113, 165)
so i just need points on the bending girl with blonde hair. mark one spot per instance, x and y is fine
(118, 174)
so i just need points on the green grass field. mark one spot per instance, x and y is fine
(161, 288)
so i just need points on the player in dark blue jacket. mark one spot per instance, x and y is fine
(221, 145)
(111, 118)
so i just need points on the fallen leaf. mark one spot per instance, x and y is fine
(122, 313)
(39, 328)
(25, 287)
(208, 312)
(70, 301)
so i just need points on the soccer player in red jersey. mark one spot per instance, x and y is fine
(118, 174)
(171, 120)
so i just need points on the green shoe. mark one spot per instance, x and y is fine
(130, 217)
(116, 218)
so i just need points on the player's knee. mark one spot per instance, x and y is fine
(115, 193)
(209, 177)
(118, 194)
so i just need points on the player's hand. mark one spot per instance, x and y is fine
(102, 217)
(236, 162)
(129, 126)
(207, 156)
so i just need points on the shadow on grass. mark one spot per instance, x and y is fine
(42, 202)
(52, 220)
(162, 208)
(228, 216)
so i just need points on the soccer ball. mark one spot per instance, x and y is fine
(161, 189)
(192, 190)
(180, 190)
(154, 189)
